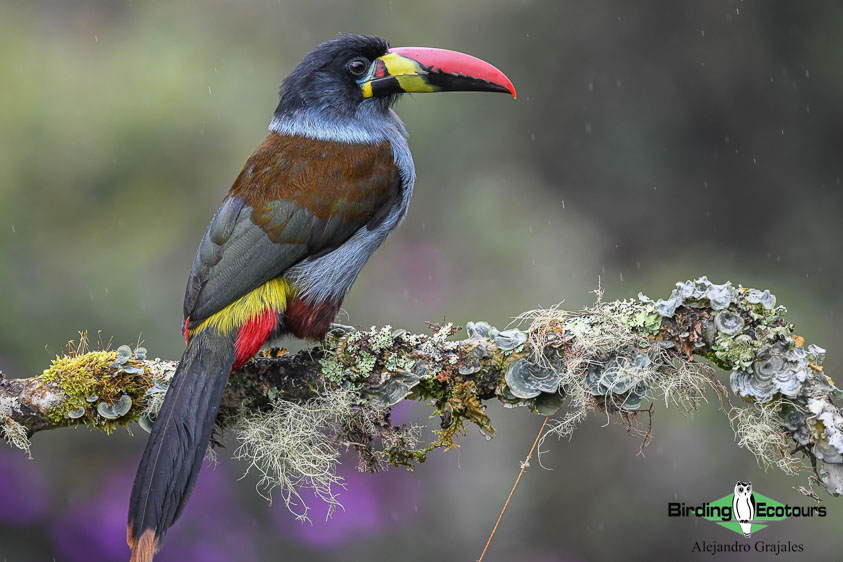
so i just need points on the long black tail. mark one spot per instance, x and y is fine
(178, 442)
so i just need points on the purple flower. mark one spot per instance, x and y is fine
(24, 493)
(213, 526)
(372, 504)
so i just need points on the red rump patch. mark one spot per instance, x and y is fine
(252, 335)
(310, 321)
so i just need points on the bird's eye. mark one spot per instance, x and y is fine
(357, 66)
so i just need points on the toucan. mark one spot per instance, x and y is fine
(314, 201)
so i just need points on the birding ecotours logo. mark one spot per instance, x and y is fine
(743, 507)
(744, 511)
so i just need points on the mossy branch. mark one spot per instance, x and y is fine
(619, 358)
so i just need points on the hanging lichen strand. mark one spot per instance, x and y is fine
(618, 358)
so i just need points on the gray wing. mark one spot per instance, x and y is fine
(237, 256)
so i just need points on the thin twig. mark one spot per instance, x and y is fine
(523, 466)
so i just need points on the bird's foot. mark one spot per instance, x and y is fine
(274, 352)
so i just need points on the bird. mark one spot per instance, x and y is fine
(313, 202)
(743, 505)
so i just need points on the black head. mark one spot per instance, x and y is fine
(328, 77)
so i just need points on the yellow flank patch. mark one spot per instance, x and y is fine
(273, 294)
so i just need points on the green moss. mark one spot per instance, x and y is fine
(333, 370)
(734, 352)
(429, 389)
(78, 376)
(642, 317)
(401, 456)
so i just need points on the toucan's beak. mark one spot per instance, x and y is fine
(424, 69)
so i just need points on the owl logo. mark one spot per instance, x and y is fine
(743, 507)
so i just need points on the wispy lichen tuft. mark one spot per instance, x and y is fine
(292, 447)
(759, 429)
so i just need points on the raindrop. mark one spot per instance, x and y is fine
(588, 128)
(209, 88)
(13, 229)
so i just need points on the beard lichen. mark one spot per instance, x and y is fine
(760, 430)
(605, 359)
(291, 447)
(14, 433)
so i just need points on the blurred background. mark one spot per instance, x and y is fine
(651, 142)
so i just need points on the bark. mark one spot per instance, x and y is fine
(616, 357)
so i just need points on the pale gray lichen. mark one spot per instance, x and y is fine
(826, 422)
(478, 330)
(764, 298)
(124, 354)
(392, 388)
(759, 429)
(697, 293)
(14, 433)
(77, 413)
(831, 476)
(154, 397)
(729, 323)
(527, 380)
(779, 369)
(292, 447)
(794, 421)
(508, 339)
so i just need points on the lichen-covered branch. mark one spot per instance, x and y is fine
(291, 411)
